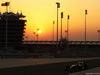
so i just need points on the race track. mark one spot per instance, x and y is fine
(46, 69)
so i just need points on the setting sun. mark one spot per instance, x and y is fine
(39, 31)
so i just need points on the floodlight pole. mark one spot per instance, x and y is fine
(58, 6)
(53, 31)
(61, 27)
(34, 36)
(67, 31)
(37, 43)
(98, 34)
(85, 27)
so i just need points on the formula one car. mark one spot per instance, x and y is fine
(77, 67)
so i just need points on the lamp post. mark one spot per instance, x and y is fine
(37, 43)
(66, 34)
(34, 36)
(67, 31)
(98, 34)
(58, 6)
(53, 31)
(37, 39)
(85, 27)
(37, 34)
(61, 27)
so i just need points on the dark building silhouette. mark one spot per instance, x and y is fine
(15, 29)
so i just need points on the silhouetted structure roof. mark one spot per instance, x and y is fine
(15, 29)
(12, 14)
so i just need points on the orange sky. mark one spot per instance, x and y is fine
(41, 14)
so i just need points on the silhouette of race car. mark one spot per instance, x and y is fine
(77, 67)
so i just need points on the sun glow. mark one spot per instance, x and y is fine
(39, 31)
(42, 13)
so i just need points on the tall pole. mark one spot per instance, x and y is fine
(85, 32)
(58, 6)
(38, 30)
(67, 31)
(34, 35)
(37, 38)
(98, 34)
(85, 27)
(53, 31)
(34, 38)
(37, 43)
(6, 8)
(61, 27)
(57, 28)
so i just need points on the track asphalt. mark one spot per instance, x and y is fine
(52, 66)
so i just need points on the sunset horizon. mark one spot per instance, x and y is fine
(41, 14)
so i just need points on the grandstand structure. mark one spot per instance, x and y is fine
(12, 29)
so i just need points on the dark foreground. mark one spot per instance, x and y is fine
(47, 69)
